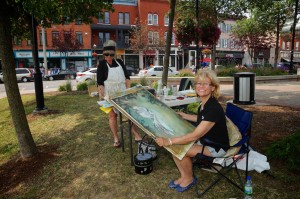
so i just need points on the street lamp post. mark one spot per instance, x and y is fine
(179, 56)
(293, 37)
(38, 82)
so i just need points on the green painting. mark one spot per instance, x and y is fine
(152, 116)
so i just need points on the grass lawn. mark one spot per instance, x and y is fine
(79, 160)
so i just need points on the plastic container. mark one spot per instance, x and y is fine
(159, 88)
(248, 189)
(166, 91)
(244, 88)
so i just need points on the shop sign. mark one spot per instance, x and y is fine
(78, 54)
(25, 54)
(54, 54)
(229, 55)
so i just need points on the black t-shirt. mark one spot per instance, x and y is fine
(213, 112)
(102, 70)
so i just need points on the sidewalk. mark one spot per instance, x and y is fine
(285, 93)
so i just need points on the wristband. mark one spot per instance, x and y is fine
(170, 141)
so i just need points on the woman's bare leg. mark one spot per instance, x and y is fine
(113, 124)
(135, 132)
(185, 166)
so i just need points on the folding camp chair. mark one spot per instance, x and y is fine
(239, 131)
(185, 84)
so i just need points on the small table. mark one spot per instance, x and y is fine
(177, 102)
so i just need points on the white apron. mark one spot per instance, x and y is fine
(115, 80)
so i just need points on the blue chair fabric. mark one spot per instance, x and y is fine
(243, 120)
(185, 84)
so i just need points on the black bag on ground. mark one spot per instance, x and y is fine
(147, 147)
(143, 159)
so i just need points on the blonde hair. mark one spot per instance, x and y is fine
(211, 75)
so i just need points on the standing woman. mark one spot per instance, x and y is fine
(112, 76)
(211, 124)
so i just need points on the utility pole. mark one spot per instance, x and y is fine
(38, 82)
(293, 37)
(197, 36)
(44, 50)
(277, 37)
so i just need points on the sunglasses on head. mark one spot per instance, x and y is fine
(107, 54)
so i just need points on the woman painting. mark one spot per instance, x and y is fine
(112, 76)
(211, 124)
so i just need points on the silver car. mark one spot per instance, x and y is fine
(156, 71)
(87, 76)
(23, 75)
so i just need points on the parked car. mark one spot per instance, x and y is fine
(156, 71)
(23, 75)
(132, 70)
(87, 75)
(64, 74)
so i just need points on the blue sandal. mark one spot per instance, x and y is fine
(172, 184)
(183, 189)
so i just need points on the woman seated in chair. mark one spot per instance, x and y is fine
(211, 124)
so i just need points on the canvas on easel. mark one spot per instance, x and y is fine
(153, 116)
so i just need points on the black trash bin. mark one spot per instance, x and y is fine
(244, 88)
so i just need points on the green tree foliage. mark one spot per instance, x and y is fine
(211, 12)
(249, 33)
(15, 20)
(272, 14)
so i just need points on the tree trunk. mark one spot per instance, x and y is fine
(168, 43)
(25, 139)
(251, 53)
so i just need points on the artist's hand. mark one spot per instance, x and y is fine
(182, 114)
(160, 141)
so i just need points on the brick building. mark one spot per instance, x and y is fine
(116, 26)
(113, 25)
(80, 58)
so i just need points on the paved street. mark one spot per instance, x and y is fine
(276, 93)
(28, 87)
(286, 93)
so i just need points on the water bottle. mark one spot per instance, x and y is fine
(248, 188)
(166, 90)
(159, 88)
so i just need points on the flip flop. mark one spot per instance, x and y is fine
(117, 144)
